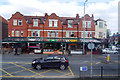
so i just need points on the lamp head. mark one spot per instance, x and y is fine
(86, 0)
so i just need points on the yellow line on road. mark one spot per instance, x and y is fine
(27, 69)
(16, 71)
(6, 72)
(60, 71)
(42, 73)
(70, 70)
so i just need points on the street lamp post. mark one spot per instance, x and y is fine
(84, 30)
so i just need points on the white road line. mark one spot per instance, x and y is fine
(98, 63)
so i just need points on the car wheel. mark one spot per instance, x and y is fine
(62, 67)
(38, 67)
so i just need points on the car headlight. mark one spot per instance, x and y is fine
(33, 62)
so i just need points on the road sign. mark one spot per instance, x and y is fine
(91, 46)
(83, 68)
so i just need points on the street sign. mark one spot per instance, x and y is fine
(83, 68)
(91, 46)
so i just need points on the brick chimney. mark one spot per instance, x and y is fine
(46, 15)
(77, 16)
(92, 16)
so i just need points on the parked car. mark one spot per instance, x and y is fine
(51, 61)
(109, 51)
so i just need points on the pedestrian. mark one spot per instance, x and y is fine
(69, 52)
(15, 51)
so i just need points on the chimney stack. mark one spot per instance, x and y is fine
(46, 15)
(77, 16)
(92, 16)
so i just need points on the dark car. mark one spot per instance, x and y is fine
(51, 61)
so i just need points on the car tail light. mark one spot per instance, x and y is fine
(66, 60)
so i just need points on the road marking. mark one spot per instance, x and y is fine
(16, 71)
(6, 72)
(70, 70)
(42, 73)
(60, 71)
(39, 74)
(98, 63)
(27, 69)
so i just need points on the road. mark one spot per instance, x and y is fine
(20, 66)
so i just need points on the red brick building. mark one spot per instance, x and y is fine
(3, 28)
(50, 26)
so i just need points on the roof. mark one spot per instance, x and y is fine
(29, 18)
(99, 20)
(3, 20)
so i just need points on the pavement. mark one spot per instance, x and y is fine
(19, 66)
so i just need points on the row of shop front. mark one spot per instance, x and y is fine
(51, 46)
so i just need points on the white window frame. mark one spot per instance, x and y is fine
(90, 35)
(55, 23)
(57, 34)
(83, 24)
(99, 24)
(50, 23)
(69, 21)
(12, 33)
(35, 23)
(82, 34)
(21, 33)
(72, 33)
(52, 34)
(17, 33)
(48, 33)
(38, 32)
(15, 22)
(20, 20)
(88, 23)
(32, 33)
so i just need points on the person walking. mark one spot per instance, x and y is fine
(69, 52)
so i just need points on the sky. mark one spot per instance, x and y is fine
(103, 9)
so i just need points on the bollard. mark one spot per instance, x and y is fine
(108, 57)
(101, 71)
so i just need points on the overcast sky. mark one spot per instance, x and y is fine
(104, 9)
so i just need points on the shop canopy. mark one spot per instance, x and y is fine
(47, 40)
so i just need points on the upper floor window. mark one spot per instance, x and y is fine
(57, 34)
(84, 23)
(52, 33)
(12, 33)
(48, 33)
(20, 22)
(51, 21)
(14, 22)
(33, 33)
(90, 34)
(21, 33)
(55, 23)
(37, 34)
(100, 34)
(35, 22)
(72, 34)
(17, 33)
(100, 24)
(70, 23)
(89, 24)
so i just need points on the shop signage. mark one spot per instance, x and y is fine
(73, 40)
(52, 40)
